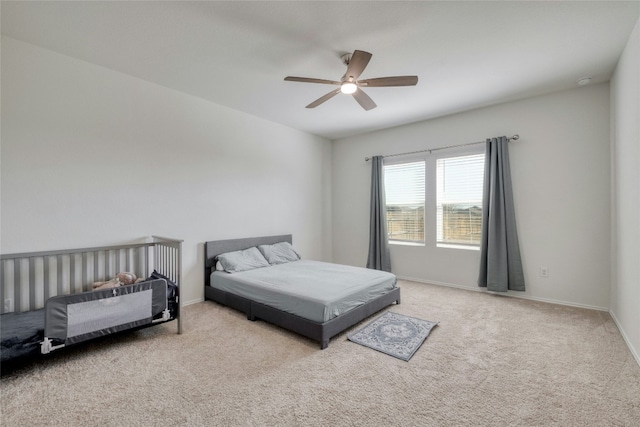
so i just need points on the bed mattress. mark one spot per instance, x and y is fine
(315, 290)
(21, 334)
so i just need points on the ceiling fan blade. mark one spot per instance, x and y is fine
(357, 64)
(389, 81)
(324, 98)
(310, 80)
(364, 100)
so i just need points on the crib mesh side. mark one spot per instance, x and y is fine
(79, 317)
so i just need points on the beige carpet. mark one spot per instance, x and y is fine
(492, 361)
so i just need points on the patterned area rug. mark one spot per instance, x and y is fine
(394, 334)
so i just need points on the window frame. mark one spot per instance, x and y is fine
(430, 160)
(446, 154)
(397, 160)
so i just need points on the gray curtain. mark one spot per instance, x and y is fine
(379, 257)
(500, 263)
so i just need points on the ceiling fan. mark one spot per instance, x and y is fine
(349, 83)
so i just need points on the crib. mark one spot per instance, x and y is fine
(48, 301)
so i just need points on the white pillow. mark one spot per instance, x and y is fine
(248, 259)
(279, 253)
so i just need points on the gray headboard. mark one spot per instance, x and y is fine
(216, 247)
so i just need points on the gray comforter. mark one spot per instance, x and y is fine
(314, 290)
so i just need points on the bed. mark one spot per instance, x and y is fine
(49, 301)
(354, 293)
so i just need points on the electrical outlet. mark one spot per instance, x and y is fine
(7, 304)
(544, 272)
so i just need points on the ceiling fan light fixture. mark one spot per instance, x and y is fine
(584, 81)
(349, 83)
(348, 88)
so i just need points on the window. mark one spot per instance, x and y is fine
(436, 199)
(459, 200)
(405, 194)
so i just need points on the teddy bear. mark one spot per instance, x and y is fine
(121, 279)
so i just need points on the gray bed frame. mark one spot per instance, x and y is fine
(321, 332)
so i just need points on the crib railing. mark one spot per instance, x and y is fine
(168, 261)
(28, 279)
(168, 257)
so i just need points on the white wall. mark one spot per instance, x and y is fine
(92, 157)
(560, 169)
(625, 131)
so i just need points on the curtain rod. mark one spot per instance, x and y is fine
(514, 138)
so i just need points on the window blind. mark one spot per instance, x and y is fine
(459, 199)
(405, 195)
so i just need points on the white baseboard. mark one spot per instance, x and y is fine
(509, 293)
(625, 337)
(193, 301)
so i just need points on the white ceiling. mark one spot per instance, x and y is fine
(466, 54)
